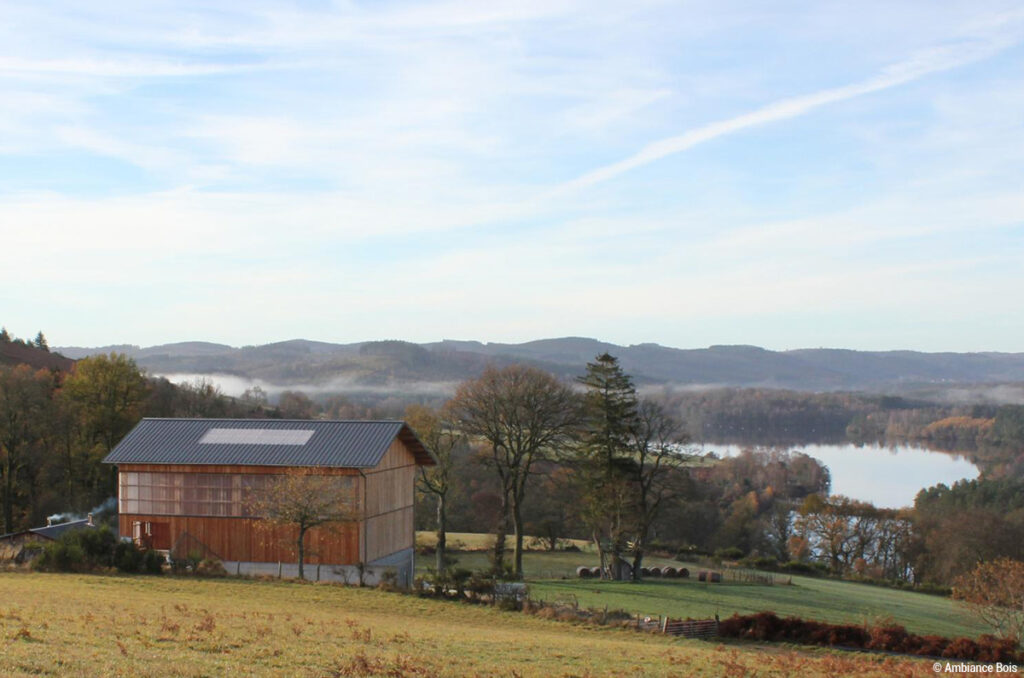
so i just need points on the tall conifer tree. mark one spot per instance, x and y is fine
(604, 461)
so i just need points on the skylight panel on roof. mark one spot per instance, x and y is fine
(255, 436)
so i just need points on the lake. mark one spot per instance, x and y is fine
(886, 476)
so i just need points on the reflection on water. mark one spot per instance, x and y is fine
(889, 476)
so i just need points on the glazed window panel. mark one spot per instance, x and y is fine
(202, 494)
(196, 494)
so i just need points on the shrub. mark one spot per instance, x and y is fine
(63, 555)
(761, 563)
(508, 604)
(211, 567)
(79, 550)
(992, 649)
(388, 581)
(128, 557)
(932, 646)
(731, 553)
(890, 638)
(153, 563)
(98, 545)
(690, 553)
(766, 626)
(799, 567)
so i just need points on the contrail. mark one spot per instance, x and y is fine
(924, 63)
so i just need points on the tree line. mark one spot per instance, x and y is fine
(524, 454)
(56, 427)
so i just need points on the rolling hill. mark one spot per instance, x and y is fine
(390, 364)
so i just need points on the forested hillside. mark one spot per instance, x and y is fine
(394, 363)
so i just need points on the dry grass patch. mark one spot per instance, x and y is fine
(133, 626)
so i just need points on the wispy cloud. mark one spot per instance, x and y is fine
(347, 171)
(920, 65)
(125, 68)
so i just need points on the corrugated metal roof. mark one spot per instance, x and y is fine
(344, 444)
(51, 531)
(55, 531)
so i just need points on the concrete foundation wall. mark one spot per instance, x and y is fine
(399, 565)
(403, 563)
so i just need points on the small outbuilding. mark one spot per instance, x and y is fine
(189, 484)
(22, 547)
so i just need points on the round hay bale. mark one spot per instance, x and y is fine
(716, 577)
(595, 572)
(669, 571)
(702, 575)
(645, 572)
(583, 572)
(655, 571)
(684, 573)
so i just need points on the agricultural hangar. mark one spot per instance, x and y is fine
(188, 485)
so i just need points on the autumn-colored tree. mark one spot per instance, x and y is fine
(302, 499)
(523, 414)
(441, 437)
(25, 402)
(994, 593)
(296, 405)
(105, 394)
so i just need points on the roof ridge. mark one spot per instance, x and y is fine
(271, 420)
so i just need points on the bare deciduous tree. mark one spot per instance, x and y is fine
(304, 499)
(523, 414)
(440, 437)
(656, 437)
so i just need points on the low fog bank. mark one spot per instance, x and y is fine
(234, 386)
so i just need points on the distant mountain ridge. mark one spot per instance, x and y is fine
(379, 363)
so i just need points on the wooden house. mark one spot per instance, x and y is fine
(189, 484)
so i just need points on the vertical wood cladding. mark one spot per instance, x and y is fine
(388, 533)
(251, 540)
(387, 496)
(390, 488)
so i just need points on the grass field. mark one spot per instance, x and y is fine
(475, 541)
(85, 625)
(552, 576)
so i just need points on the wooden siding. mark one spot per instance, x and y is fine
(397, 456)
(389, 490)
(388, 533)
(389, 496)
(251, 540)
(386, 495)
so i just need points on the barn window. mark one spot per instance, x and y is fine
(197, 494)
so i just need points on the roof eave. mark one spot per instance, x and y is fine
(424, 457)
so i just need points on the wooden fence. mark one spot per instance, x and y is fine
(691, 628)
(687, 628)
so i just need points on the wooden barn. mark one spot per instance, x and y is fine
(188, 484)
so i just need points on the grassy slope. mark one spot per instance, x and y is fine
(812, 598)
(123, 626)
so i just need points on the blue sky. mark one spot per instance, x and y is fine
(687, 173)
